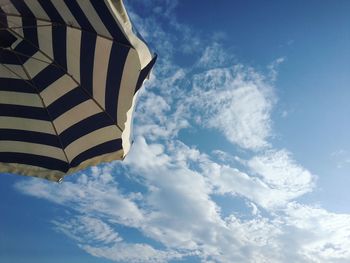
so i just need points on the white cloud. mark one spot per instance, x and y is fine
(229, 180)
(157, 119)
(214, 56)
(85, 229)
(97, 193)
(273, 68)
(134, 253)
(184, 216)
(280, 171)
(237, 101)
(273, 178)
(341, 158)
(178, 212)
(320, 236)
(101, 240)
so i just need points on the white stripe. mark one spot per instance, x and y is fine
(45, 38)
(12, 72)
(9, 8)
(32, 148)
(75, 115)
(93, 18)
(26, 124)
(34, 66)
(16, 22)
(20, 98)
(65, 13)
(42, 58)
(14, 44)
(127, 132)
(127, 86)
(36, 9)
(31, 170)
(91, 140)
(73, 52)
(122, 19)
(57, 89)
(102, 53)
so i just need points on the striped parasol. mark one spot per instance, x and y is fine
(69, 75)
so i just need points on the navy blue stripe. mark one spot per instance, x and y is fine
(145, 72)
(47, 76)
(59, 42)
(30, 31)
(115, 72)
(3, 19)
(79, 15)
(23, 112)
(29, 46)
(51, 11)
(36, 160)
(6, 38)
(87, 55)
(84, 127)
(28, 21)
(109, 22)
(104, 148)
(29, 136)
(66, 102)
(27, 49)
(17, 85)
(22, 8)
(9, 57)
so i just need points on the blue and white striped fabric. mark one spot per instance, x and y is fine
(69, 75)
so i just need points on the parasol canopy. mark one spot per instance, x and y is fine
(70, 71)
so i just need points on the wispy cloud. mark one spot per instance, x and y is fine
(214, 56)
(341, 158)
(87, 230)
(317, 235)
(281, 172)
(88, 195)
(237, 101)
(101, 240)
(178, 212)
(135, 253)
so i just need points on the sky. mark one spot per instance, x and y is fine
(241, 150)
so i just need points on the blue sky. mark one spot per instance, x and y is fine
(241, 149)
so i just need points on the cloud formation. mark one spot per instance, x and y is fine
(236, 101)
(166, 191)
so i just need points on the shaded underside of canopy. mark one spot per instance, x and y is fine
(70, 71)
